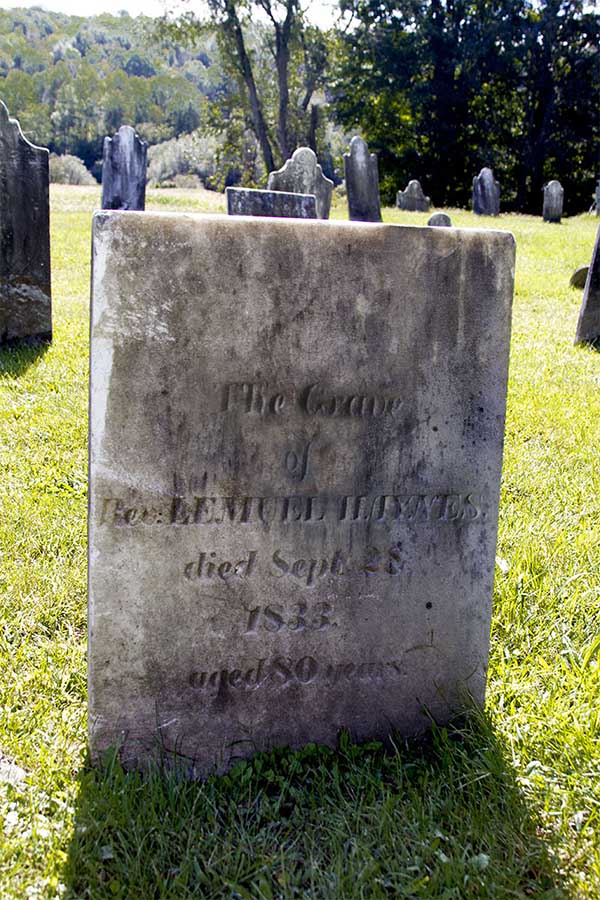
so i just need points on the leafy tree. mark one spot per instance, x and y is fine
(442, 87)
(276, 109)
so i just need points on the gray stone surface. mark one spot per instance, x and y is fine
(486, 194)
(279, 204)
(588, 325)
(579, 277)
(302, 174)
(441, 220)
(412, 198)
(553, 201)
(25, 298)
(124, 170)
(296, 441)
(598, 198)
(362, 182)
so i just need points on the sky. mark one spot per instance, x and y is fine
(319, 12)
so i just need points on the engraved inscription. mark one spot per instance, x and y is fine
(454, 508)
(296, 461)
(304, 571)
(260, 399)
(281, 671)
(274, 619)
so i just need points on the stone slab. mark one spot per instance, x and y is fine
(588, 324)
(579, 277)
(124, 170)
(302, 174)
(25, 292)
(362, 182)
(553, 201)
(486, 194)
(412, 198)
(276, 204)
(296, 441)
(440, 220)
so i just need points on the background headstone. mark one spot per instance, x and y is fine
(486, 194)
(295, 472)
(598, 198)
(280, 204)
(412, 198)
(362, 182)
(588, 325)
(553, 201)
(579, 277)
(440, 220)
(124, 170)
(25, 299)
(302, 174)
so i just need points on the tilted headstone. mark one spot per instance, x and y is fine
(588, 325)
(412, 198)
(293, 504)
(124, 170)
(553, 201)
(279, 204)
(25, 299)
(302, 174)
(579, 277)
(362, 182)
(441, 220)
(486, 194)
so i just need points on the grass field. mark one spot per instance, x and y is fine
(507, 805)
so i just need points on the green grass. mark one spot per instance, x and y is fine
(504, 805)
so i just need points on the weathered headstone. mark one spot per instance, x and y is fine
(412, 198)
(302, 174)
(598, 198)
(486, 194)
(295, 471)
(362, 182)
(588, 325)
(124, 170)
(279, 204)
(553, 201)
(25, 298)
(579, 277)
(441, 220)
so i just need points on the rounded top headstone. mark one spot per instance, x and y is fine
(359, 147)
(579, 277)
(440, 220)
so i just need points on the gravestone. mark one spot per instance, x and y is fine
(412, 198)
(553, 201)
(579, 277)
(588, 325)
(302, 174)
(295, 471)
(279, 204)
(486, 194)
(598, 198)
(441, 220)
(25, 304)
(362, 182)
(124, 170)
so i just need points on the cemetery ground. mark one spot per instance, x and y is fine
(504, 804)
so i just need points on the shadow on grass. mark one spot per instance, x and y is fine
(442, 818)
(17, 356)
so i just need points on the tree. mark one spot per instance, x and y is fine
(443, 87)
(277, 122)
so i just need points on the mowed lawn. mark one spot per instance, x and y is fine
(504, 805)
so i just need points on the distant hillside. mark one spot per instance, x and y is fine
(71, 80)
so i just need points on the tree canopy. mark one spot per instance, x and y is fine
(439, 89)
